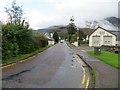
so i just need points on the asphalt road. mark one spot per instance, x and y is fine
(54, 68)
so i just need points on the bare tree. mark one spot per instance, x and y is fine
(14, 13)
(94, 24)
(91, 24)
(88, 24)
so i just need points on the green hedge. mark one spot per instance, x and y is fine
(20, 40)
(84, 42)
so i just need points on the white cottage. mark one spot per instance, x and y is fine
(102, 37)
(49, 36)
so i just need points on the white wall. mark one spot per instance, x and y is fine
(50, 42)
(100, 32)
(75, 43)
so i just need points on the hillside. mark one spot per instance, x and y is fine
(58, 28)
(114, 21)
(87, 31)
(109, 23)
(63, 29)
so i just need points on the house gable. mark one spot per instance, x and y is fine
(102, 37)
(102, 30)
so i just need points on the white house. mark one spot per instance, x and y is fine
(102, 37)
(49, 36)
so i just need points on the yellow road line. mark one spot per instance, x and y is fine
(68, 46)
(87, 84)
(8, 65)
(23, 60)
(84, 75)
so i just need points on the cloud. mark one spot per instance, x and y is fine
(82, 10)
(44, 13)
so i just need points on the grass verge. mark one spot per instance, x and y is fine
(107, 57)
(19, 57)
(93, 77)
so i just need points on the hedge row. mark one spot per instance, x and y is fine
(19, 40)
(110, 48)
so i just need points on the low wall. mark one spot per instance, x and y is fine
(75, 44)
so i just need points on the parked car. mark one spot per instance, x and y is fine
(61, 41)
(117, 51)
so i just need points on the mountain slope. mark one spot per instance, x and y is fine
(109, 23)
(58, 28)
(114, 21)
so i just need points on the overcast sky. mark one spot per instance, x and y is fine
(45, 13)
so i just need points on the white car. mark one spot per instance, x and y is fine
(61, 41)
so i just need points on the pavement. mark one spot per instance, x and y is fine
(106, 75)
(54, 68)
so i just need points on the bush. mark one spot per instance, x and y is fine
(10, 46)
(17, 37)
(19, 40)
(40, 40)
(84, 42)
(110, 48)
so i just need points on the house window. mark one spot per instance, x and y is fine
(107, 40)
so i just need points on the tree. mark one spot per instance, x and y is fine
(81, 35)
(92, 24)
(88, 24)
(40, 40)
(14, 13)
(56, 37)
(71, 28)
(17, 37)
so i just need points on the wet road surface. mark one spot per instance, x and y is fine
(54, 68)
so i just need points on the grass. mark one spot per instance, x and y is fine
(93, 77)
(25, 55)
(107, 57)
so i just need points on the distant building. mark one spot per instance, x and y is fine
(104, 37)
(86, 38)
(49, 36)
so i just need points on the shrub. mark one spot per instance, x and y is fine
(20, 40)
(110, 48)
(84, 42)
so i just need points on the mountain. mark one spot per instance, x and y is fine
(58, 28)
(114, 21)
(87, 31)
(109, 23)
(44, 30)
